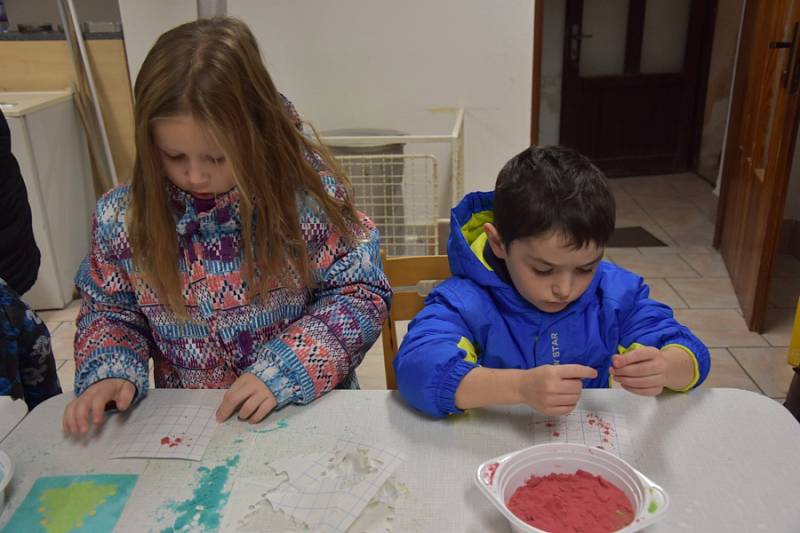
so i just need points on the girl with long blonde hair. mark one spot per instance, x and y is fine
(235, 258)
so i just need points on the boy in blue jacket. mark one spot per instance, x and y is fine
(532, 314)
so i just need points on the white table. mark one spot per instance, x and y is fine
(11, 413)
(729, 459)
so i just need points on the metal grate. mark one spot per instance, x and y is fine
(399, 193)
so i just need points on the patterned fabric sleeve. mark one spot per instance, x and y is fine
(113, 339)
(321, 349)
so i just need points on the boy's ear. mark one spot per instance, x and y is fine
(495, 241)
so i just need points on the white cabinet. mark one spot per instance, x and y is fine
(49, 143)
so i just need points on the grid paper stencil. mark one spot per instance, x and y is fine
(325, 491)
(167, 432)
(605, 430)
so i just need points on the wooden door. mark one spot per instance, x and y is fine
(758, 150)
(631, 80)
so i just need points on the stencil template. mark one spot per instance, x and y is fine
(166, 432)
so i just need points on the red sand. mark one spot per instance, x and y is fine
(572, 503)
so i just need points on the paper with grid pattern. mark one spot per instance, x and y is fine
(605, 430)
(325, 492)
(166, 432)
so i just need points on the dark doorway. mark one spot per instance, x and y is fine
(634, 80)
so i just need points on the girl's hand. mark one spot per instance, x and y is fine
(554, 390)
(250, 396)
(94, 401)
(641, 371)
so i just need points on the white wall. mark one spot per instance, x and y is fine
(386, 64)
(389, 64)
(143, 21)
(792, 210)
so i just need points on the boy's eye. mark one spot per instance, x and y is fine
(586, 270)
(543, 272)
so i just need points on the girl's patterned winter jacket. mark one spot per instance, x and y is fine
(301, 343)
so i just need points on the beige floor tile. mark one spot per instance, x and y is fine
(616, 250)
(707, 264)
(719, 328)
(707, 205)
(778, 326)
(687, 215)
(768, 368)
(701, 233)
(650, 186)
(371, 373)
(726, 372)
(68, 314)
(679, 250)
(786, 266)
(661, 291)
(706, 293)
(784, 292)
(655, 266)
(66, 375)
(63, 343)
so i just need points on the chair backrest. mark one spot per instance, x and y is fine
(411, 278)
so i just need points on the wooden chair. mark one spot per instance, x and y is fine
(411, 278)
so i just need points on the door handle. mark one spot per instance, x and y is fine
(786, 81)
(576, 36)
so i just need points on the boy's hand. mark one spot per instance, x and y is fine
(554, 389)
(641, 371)
(250, 396)
(94, 400)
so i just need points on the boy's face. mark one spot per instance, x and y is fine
(546, 270)
(192, 159)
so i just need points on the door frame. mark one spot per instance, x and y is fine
(757, 316)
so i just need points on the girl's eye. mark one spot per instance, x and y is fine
(174, 157)
(218, 160)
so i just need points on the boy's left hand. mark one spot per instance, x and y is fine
(250, 396)
(641, 371)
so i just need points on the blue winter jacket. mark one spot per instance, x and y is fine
(477, 319)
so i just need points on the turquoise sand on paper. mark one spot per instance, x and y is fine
(202, 512)
(73, 503)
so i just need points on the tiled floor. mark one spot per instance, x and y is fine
(689, 275)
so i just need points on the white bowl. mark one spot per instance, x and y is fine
(6, 473)
(498, 478)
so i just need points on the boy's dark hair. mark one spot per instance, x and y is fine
(553, 188)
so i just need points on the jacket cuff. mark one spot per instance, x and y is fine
(278, 367)
(118, 363)
(446, 392)
(684, 345)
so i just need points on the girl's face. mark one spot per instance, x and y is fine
(193, 160)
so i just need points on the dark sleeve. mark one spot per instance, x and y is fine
(19, 256)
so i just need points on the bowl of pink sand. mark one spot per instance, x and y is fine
(555, 487)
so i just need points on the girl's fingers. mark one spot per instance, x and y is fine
(69, 418)
(230, 402)
(125, 396)
(98, 406)
(263, 410)
(249, 407)
(82, 415)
